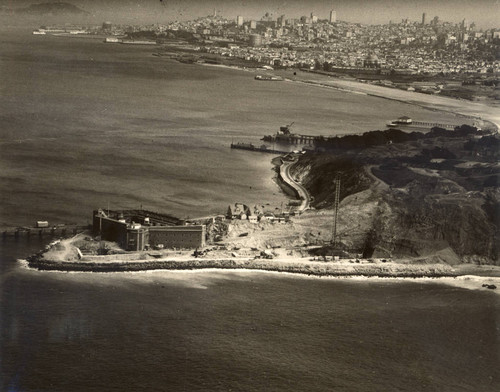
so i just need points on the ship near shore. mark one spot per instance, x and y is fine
(269, 78)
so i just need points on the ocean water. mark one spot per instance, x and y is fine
(84, 124)
(243, 331)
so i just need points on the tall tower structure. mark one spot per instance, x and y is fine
(423, 19)
(239, 20)
(336, 210)
(333, 16)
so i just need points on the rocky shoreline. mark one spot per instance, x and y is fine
(315, 268)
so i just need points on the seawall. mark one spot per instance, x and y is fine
(301, 267)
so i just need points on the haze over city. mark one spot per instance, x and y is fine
(483, 12)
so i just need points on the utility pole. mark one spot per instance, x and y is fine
(335, 212)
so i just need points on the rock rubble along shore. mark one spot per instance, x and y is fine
(299, 266)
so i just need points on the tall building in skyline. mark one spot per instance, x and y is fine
(253, 24)
(281, 21)
(239, 20)
(333, 16)
(423, 19)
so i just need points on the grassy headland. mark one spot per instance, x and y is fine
(412, 195)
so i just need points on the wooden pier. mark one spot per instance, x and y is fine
(251, 147)
(54, 231)
(431, 125)
(295, 138)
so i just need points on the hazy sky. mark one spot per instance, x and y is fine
(485, 13)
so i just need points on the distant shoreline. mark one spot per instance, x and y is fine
(422, 104)
(447, 104)
(451, 105)
(456, 106)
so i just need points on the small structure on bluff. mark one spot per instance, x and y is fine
(404, 120)
(136, 230)
(238, 211)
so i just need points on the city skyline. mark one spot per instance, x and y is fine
(483, 13)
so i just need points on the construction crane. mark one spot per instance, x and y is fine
(286, 129)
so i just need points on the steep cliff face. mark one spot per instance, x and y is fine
(416, 225)
(318, 172)
(415, 212)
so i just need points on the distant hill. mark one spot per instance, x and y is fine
(58, 8)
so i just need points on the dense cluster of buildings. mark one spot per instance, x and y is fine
(240, 211)
(425, 46)
(407, 47)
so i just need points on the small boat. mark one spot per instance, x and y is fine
(269, 78)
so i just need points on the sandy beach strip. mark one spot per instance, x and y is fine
(461, 107)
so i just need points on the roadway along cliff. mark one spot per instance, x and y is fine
(301, 191)
(415, 198)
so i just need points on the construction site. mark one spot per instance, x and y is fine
(401, 200)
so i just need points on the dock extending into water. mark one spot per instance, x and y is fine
(53, 231)
(421, 124)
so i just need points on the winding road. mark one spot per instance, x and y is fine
(301, 190)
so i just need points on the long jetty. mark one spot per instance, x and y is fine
(54, 231)
(430, 125)
(251, 147)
